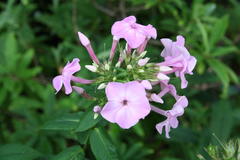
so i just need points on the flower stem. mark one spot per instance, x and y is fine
(81, 80)
(158, 110)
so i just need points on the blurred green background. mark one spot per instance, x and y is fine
(37, 38)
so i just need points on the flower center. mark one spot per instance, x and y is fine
(124, 102)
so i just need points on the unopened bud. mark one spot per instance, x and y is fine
(91, 68)
(118, 64)
(141, 70)
(165, 68)
(143, 54)
(107, 67)
(129, 67)
(83, 39)
(162, 76)
(102, 86)
(143, 61)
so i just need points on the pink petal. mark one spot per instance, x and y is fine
(119, 28)
(151, 31)
(191, 63)
(57, 83)
(134, 38)
(72, 67)
(130, 19)
(183, 101)
(173, 122)
(167, 43)
(67, 84)
(180, 40)
(134, 91)
(83, 39)
(126, 118)
(146, 84)
(141, 108)
(184, 82)
(110, 110)
(115, 91)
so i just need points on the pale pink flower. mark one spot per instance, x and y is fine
(135, 34)
(172, 121)
(127, 103)
(178, 57)
(65, 77)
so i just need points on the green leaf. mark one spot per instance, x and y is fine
(220, 51)
(222, 120)
(10, 51)
(101, 147)
(220, 69)
(204, 34)
(72, 153)
(218, 30)
(67, 122)
(87, 121)
(18, 152)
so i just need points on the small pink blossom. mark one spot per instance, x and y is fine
(172, 121)
(65, 77)
(135, 34)
(127, 103)
(178, 57)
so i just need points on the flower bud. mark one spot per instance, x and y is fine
(83, 39)
(162, 76)
(156, 98)
(129, 67)
(143, 54)
(143, 61)
(102, 86)
(107, 67)
(141, 70)
(91, 68)
(118, 64)
(164, 68)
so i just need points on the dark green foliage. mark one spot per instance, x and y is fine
(37, 38)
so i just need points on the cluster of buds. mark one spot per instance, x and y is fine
(129, 82)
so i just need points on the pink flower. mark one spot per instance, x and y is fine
(65, 77)
(178, 57)
(171, 121)
(135, 34)
(127, 103)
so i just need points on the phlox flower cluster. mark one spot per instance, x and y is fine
(129, 82)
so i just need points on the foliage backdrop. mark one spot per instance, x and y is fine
(38, 37)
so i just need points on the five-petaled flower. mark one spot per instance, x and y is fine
(127, 103)
(135, 34)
